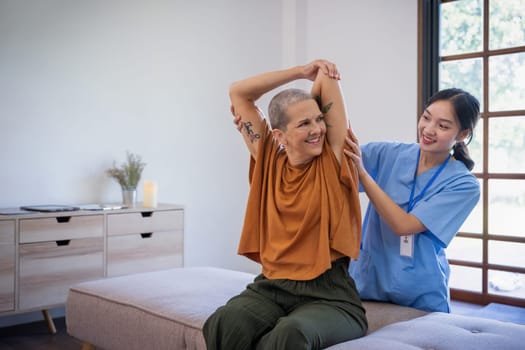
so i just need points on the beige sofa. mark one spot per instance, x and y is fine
(166, 310)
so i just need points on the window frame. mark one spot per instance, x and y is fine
(428, 82)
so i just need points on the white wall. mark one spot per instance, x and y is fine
(84, 81)
(375, 44)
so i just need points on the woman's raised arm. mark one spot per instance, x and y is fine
(244, 94)
(328, 92)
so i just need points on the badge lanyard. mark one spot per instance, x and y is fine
(407, 242)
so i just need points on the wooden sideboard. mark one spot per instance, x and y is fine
(43, 254)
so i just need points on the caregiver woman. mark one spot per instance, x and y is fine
(420, 194)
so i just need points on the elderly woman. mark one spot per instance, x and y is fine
(302, 221)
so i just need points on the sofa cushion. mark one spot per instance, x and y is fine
(441, 331)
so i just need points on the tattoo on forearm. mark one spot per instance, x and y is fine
(324, 109)
(252, 136)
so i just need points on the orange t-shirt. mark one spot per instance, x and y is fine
(299, 218)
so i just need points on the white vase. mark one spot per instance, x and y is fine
(129, 197)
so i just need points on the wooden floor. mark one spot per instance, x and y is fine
(36, 336)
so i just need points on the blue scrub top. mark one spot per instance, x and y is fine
(420, 281)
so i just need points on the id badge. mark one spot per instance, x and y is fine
(406, 246)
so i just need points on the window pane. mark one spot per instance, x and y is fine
(507, 253)
(507, 23)
(506, 203)
(466, 278)
(466, 249)
(509, 284)
(464, 74)
(461, 27)
(474, 222)
(475, 147)
(507, 82)
(507, 145)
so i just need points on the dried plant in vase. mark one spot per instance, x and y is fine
(129, 173)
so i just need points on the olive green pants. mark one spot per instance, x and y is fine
(286, 314)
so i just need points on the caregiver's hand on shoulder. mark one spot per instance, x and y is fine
(355, 152)
(236, 119)
(237, 122)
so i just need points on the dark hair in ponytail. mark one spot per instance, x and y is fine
(460, 152)
(466, 108)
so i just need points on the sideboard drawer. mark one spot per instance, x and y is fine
(7, 232)
(60, 228)
(135, 253)
(7, 265)
(143, 222)
(47, 270)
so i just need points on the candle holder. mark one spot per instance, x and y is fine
(150, 194)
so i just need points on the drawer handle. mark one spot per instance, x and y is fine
(146, 235)
(147, 214)
(63, 242)
(62, 219)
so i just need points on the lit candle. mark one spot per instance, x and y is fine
(150, 194)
